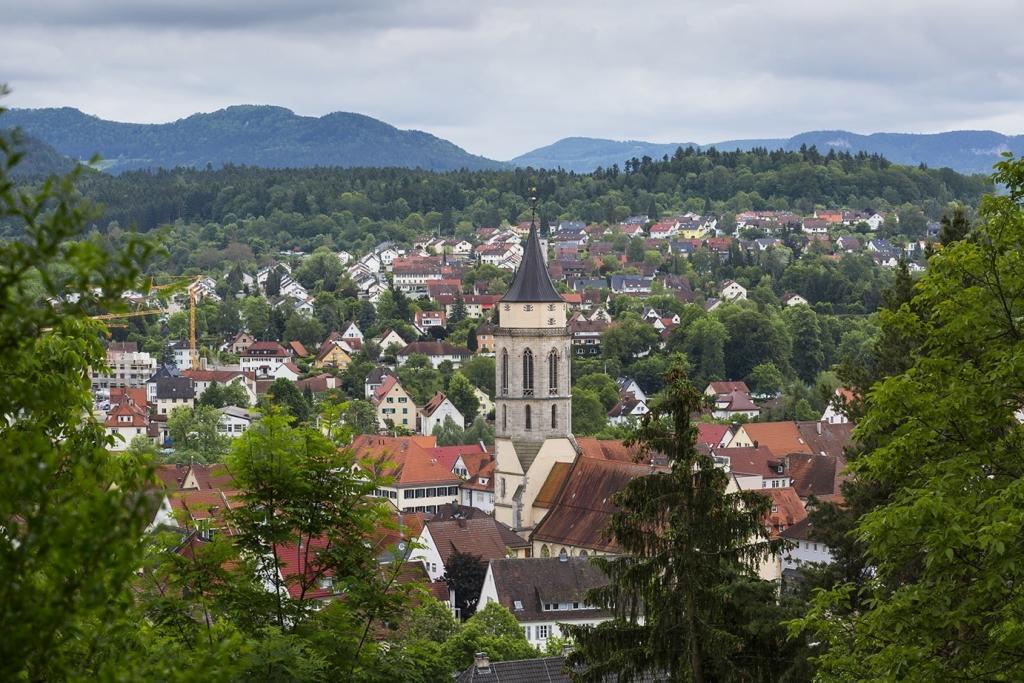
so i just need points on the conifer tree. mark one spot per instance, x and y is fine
(686, 546)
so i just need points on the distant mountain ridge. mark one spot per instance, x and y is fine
(967, 151)
(275, 137)
(256, 135)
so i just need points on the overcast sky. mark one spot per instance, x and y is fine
(501, 78)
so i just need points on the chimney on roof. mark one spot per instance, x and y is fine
(482, 662)
(817, 427)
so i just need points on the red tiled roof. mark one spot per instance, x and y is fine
(711, 434)
(787, 509)
(781, 438)
(410, 460)
(482, 536)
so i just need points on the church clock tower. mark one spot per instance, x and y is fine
(533, 398)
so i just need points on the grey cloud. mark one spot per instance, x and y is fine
(499, 78)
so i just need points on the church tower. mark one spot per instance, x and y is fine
(533, 397)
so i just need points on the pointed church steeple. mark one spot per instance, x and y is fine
(532, 282)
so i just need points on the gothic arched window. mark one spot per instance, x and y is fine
(527, 372)
(504, 372)
(545, 551)
(553, 372)
(529, 418)
(554, 417)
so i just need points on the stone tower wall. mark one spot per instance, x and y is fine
(510, 407)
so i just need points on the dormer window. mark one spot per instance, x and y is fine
(528, 307)
(551, 307)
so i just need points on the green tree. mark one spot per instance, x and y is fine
(704, 343)
(954, 228)
(464, 573)
(805, 331)
(306, 329)
(628, 339)
(479, 370)
(361, 417)
(458, 311)
(753, 338)
(686, 547)
(420, 379)
(284, 394)
(765, 379)
(321, 505)
(195, 434)
(601, 385)
(479, 432)
(60, 599)
(588, 415)
(460, 393)
(947, 446)
(471, 342)
(493, 630)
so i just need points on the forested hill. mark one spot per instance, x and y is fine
(272, 137)
(40, 160)
(364, 204)
(966, 151)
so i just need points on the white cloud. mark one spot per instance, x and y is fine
(502, 78)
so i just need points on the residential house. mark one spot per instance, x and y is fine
(631, 284)
(628, 385)
(793, 300)
(128, 416)
(376, 378)
(421, 474)
(755, 461)
(477, 491)
(174, 392)
(781, 438)
(428, 319)
(239, 343)
(627, 410)
(333, 353)
(732, 291)
(484, 537)
(263, 358)
(834, 413)
(394, 405)
(485, 337)
(713, 435)
(477, 305)
(390, 339)
(297, 349)
(438, 409)
(182, 354)
(586, 335)
(804, 547)
(203, 378)
(437, 351)
(848, 244)
(234, 421)
(543, 593)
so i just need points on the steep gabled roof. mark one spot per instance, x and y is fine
(485, 537)
(525, 585)
(781, 438)
(532, 282)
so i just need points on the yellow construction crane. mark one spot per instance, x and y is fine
(192, 299)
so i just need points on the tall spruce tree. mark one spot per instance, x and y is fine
(687, 546)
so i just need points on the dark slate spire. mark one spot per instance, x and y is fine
(532, 282)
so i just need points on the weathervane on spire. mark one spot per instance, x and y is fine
(533, 207)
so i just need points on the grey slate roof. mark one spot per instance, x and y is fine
(175, 387)
(524, 585)
(532, 282)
